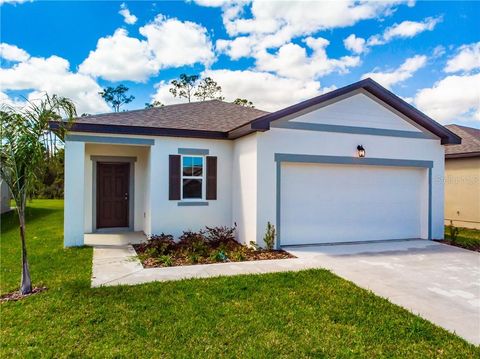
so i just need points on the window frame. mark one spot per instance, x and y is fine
(202, 178)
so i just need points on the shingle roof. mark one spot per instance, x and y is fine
(213, 115)
(470, 145)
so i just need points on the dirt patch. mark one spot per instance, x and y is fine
(14, 296)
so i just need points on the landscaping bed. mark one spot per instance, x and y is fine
(212, 245)
(462, 237)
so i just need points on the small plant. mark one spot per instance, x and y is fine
(193, 242)
(454, 231)
(166, 261)
(269, 237)
(163, 243)
(193, 258)
(221, 235)
(219, 256)
(239, 255)
(254, 245)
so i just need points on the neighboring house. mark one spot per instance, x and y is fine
(4, 197)
(181, 167)
(462, 179)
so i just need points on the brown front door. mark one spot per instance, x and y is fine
(113, 194)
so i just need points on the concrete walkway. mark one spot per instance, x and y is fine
(438, 282)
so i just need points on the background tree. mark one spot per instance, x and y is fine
(184, 87)
(207, 88)
(116, 96)
(243, 102)
(153, 104)
(25, 149)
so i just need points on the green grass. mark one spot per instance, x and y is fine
(306, 314)
(467, 238)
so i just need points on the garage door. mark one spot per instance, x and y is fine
(331, 203)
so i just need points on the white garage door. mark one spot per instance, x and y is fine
(326, 203)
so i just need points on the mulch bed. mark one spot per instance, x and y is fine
(14, 296)
(233, 252)
(471, 247)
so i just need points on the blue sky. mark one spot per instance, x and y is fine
(273, 53)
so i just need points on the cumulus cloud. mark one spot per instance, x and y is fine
(12, 53)
(14, 1)
(455, 98)
(275, 23)
(355, 44)
(292, 60)
(128, 17)
(467, 58)
(404, 72)
(168, 42)
(52, 75)
(267, 91)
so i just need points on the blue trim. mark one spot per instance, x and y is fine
(350, 129)
(192, 203)
(193, 151)
(430, 204)
(111, 140)
(284, 157)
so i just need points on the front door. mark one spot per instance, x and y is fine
(113, 194)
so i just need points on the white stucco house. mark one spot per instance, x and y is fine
(355, 164)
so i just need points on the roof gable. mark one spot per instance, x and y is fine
(470, 146)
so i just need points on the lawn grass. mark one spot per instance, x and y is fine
(467, 238)
(305, 314)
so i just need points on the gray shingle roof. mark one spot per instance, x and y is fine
(213, 115)
(470, 140)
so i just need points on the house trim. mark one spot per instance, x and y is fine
(344, 160)
(111, 140)
(131, 198)
(193, 151)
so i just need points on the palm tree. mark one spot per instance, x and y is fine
(27, 142)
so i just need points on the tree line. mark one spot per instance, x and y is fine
(189, 87)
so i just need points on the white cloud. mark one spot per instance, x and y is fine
(292, 60)
(275, 23)
(12, 53)
(128, 17)
(355, 44)
(404, 72)
(267, 91)
(452, 99)
(53, 75)
(408, 29)
(169, 43)
(176, 43)
(14, 2)
(120, 57)
(466, 59)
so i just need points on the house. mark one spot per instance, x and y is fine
(354, 164)
(462, 179)
(4, 197)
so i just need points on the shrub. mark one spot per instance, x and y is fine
(166, 261)
(454, 231)
(269, 237)
(163, 243)
(220, 235)
(239, 255)
(193, 242)
(254, 245)
(219, 256)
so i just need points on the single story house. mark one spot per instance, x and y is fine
(462, 179)
(4, 197)
(354, 164)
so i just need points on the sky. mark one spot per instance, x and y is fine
(273, 53)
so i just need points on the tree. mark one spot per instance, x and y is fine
(25, 137)
(184, 87)
(243, 102)
(208, 89)
(153, 104)
(116, 96)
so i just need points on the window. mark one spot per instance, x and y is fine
(192, 177)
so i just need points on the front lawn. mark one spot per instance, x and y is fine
(305, 314)
(467, 238)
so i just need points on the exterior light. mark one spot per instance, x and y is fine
(360, 151)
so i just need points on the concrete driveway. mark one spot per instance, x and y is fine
(440, 283)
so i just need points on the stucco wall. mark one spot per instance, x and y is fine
(462, 192)
(5, 197)
(167, 216)
(244, 181)
(140, 180)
